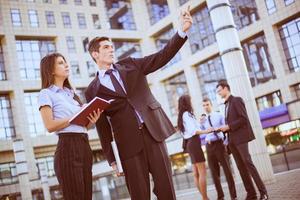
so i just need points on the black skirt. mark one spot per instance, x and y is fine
(194, 149)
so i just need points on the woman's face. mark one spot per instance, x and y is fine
(61, 68)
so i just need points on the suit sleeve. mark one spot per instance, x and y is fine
(153, 62)
(242, 117)
(105, 135)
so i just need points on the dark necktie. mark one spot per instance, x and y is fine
(215, 134)
(115, 83)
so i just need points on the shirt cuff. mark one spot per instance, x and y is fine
(181, 33)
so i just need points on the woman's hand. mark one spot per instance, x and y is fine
(93, 117)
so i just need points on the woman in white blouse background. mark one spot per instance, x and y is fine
(190, 130)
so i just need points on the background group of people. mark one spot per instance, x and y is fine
(225, 134)
(137, 123)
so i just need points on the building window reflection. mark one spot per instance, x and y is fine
(33, 18)
(258, 60)
(50, 18)
(29, 54)
(93, 3)
(2, 65)
(75, 69)
(162, 39)
(96, 21)
(290, 39)
(71, 44)
(78, 2)
(271, 6)
(288, 2)
(91, 68)
(8, 174)
(244, 12)
(175, 87)
(209, 73)
(120, 14)
(202, 32)
(157, 9)
(124, 49)
(269, 100)
(295, 89)
(85, 43)
(48, 163)
(35, 122)
(81, 20)
(7, 128)
(16, 17)
(66, 19)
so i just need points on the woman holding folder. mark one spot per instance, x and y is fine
(58, 103)
(190, 130)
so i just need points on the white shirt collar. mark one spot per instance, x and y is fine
(101, 72)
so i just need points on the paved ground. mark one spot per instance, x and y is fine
(286, 187)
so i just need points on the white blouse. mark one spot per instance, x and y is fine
(191, 125)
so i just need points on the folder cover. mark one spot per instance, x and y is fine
(81, 117)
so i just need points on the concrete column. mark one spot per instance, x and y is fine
(44, 181)
(237, 76)
(22, 169)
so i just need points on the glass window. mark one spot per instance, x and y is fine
(271, 6)
(63, 2)
(75, 69)
(50, 18)
(33, 18)
(162, 39)
(175, 87)
(157, 10)
(35, 123)
(269, 100)
(47, 1)
(258, 60)
(66, 19)
(120, 14)
(7, 128)
(290, 39)
(16, 17)
(244, 12)
(93, 3)
(202, 32)
(181, 2)
(91, 68)
(71, 44)
(288, 2)
(2, 67)
(48, 163)
(96, 21)
(29, 54)
(81, 20)
(85, 43)
(295, 89)
(78, 2)
(209, 73)
(8, 173)
(124, 49)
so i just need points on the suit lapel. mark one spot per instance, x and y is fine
(101, 90)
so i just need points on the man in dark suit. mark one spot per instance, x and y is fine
(138, 123)
(240, 132)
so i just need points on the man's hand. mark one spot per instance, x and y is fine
(186, 20)
(224, 128)
(114, 166)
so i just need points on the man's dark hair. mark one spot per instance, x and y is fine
(94, 44)
(206, 99)
(223, 84)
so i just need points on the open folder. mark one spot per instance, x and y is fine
(81, 117)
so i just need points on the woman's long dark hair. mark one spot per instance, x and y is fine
(47, 68)
(184, 104)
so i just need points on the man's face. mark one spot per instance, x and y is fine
(105, 53)
(222, 91)
(207, 106)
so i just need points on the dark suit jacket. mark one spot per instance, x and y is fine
(123, 120)
(240, 130)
